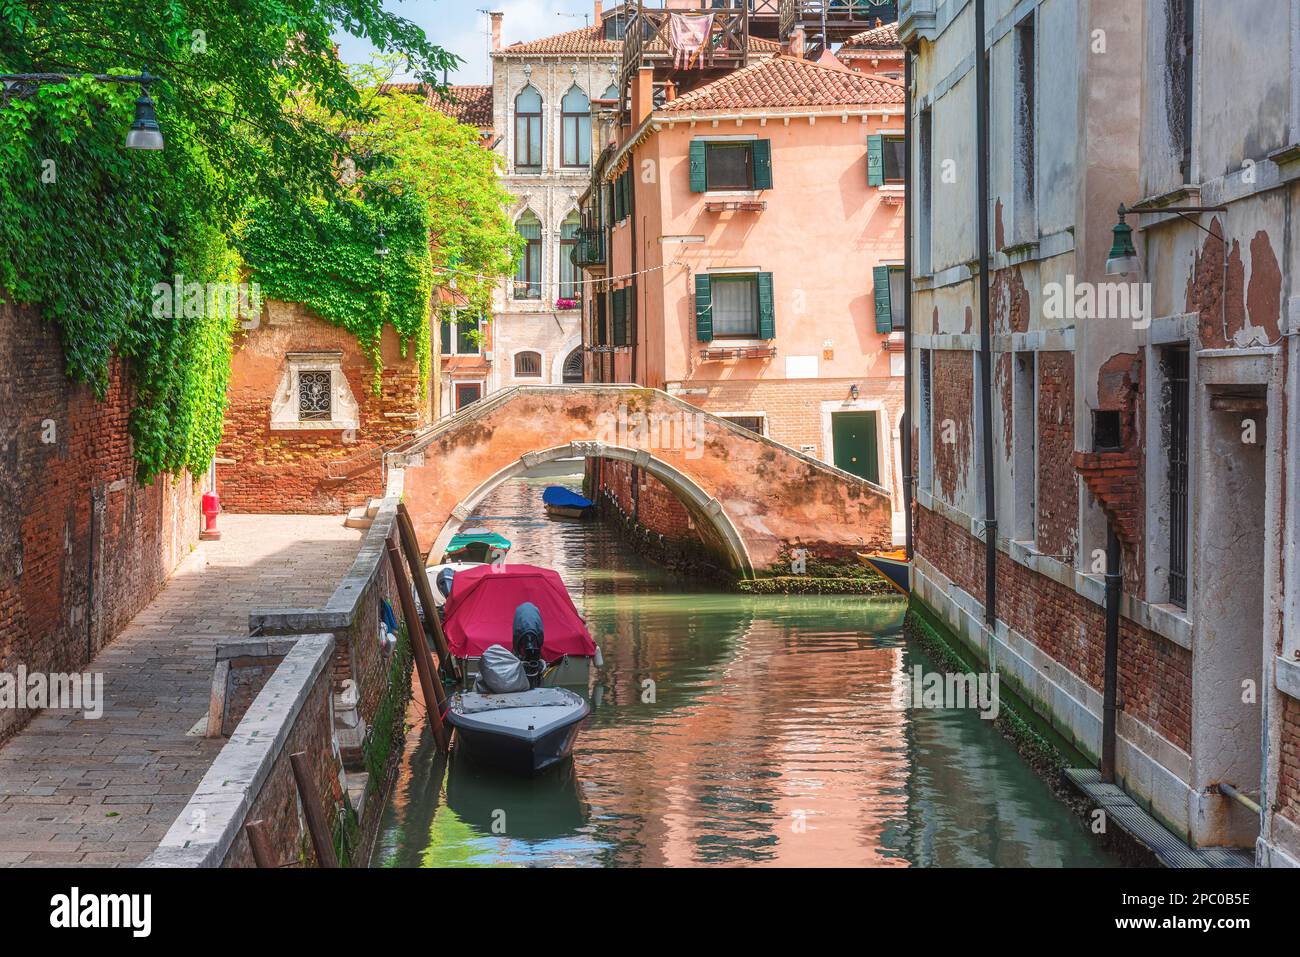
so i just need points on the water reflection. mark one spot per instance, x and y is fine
(731, 730)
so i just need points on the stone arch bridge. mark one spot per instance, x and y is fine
(751, 498)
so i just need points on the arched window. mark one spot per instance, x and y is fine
(570, 287)
(528, 280)
(528, 365)
(575, 128)
(573, 366)
(611, 93)
(528, 129)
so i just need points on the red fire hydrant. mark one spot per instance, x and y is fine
(211, 509)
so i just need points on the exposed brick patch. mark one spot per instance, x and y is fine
(1264, 294)
(1112, 478)
(1057, 504)
(1009, 301)
(1288, 783)
(1155, 675)
(953, 396)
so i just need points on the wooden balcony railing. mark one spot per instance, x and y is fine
(841, 18)
(646, 42)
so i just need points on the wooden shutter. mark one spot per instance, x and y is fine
(766, 307)
(875, 161)
(884, 314)
(620, 316)
(699, 179)
(629, 327)
(703, 308)
(762, 157)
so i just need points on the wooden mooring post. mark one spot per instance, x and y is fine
(260, 844)
(430, 684)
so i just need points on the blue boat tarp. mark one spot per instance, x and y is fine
(564, 497)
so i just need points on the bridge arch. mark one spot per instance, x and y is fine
(691, 494)
(752, 499)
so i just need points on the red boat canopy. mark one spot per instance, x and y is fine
(481, 611)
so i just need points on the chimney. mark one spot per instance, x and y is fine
(496, 29)
(643, 94)
(600, 11)
(670, 91)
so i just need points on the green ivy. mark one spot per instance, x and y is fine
(322, 254)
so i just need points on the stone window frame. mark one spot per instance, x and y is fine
(344, 409)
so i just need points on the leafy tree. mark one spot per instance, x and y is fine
(253, 104)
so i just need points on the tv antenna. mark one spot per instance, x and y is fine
(487, 43)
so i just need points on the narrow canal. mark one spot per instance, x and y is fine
(730, 730)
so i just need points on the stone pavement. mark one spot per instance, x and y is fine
(105, 791)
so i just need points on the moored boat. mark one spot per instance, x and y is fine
(480, 613)
(892, 566)
(561, 502)
(524, 732)
(477, 545)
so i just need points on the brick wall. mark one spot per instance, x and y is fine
(952, 401)
(1057, 504)
(260, 469)
(277, 802)
(646, 500)
(1155, 675)
(69, 585)
(1288, 785)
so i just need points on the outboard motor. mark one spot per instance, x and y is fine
(443, 581)
(528, 639)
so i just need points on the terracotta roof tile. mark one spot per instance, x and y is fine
(589, 39)
(471, 105)
(784, 81)
(883, 37)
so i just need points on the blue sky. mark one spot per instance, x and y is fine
(457, 26)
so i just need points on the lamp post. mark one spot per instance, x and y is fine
(145, 134)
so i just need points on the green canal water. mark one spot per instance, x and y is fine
(730, 730)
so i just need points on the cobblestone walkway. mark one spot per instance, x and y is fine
(104, 792)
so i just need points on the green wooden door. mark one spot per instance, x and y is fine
(853, 438)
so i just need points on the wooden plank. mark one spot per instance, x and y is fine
(430, 683)
(432, 623)
(260, 842)
(316, 826)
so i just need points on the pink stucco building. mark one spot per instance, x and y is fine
(750, 231)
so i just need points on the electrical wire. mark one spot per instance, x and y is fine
(557, 284)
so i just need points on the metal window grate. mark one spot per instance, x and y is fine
(314, 393)
(1179, 408)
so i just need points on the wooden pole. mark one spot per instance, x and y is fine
(432, 623)
(320, 834)
(430, 683)
(260, 843)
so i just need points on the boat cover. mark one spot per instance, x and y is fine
(471, 536)
(564, 497)
(481, 611)
(500, 672)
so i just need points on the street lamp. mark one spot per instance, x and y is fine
(144, 134)
(1123, 257)
(382, 249)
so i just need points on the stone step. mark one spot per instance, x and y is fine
(373, 508)
(358, 517)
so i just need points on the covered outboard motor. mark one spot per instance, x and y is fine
(500, 672)
(444, 581)
(528, 639)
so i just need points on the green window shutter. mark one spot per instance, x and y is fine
(620, 316)
(629, 326)
(884, 314)
(698, 179)
(762, 157)
(875, 161)
(703, 308)
(617, 189)
(766, 307)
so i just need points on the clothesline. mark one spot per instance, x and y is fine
(557, 283)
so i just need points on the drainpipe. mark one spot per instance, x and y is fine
(986, 347)
(1110, 681)
(907, 303)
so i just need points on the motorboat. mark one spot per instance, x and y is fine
(510, 720)
(562, 502)
(480, 612)
(477, 545)
(893, 566)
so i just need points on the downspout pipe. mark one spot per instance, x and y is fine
(908, 375)
(1110, 680)
(986, 338)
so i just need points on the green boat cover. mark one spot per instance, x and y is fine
(481, 536)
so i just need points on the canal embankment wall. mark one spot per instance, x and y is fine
(84, 546)
(315, 682)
